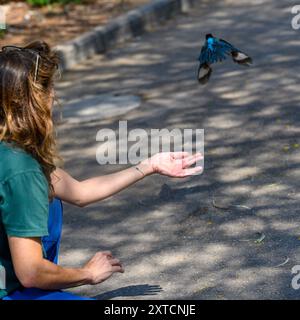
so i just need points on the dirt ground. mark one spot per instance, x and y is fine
(59, 23)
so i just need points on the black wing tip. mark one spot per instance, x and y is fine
(206, 78)
(244, 62)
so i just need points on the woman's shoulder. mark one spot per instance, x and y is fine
(14, 160)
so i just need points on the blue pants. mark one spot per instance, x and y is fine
(51, 245)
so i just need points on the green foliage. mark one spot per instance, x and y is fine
(2, 33)
(40, 3)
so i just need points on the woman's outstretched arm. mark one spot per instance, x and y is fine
(82, 193)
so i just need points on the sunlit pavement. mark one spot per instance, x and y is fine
(176, 244)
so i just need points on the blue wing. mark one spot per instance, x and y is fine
(215, 51)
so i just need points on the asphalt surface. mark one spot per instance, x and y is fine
(173, 241)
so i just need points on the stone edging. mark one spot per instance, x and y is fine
(130, 25)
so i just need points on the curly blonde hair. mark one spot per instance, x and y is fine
(26, 95)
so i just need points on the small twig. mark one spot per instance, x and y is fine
(224, 207)
(260, 239)
(241, 206)
(283, 263)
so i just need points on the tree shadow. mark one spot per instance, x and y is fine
(251, 121)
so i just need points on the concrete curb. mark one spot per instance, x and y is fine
(126, 27)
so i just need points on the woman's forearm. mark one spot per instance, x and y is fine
(102, 187)
(49, 276)
(98, 188)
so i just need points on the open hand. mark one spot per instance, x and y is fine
(174, 164)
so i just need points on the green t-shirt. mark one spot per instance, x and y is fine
(24, 205)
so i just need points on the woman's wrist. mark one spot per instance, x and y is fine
(145, 167)
(87, 278)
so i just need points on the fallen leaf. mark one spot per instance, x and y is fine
(286, 148)
(260, 239)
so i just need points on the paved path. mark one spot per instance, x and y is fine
(181, 246)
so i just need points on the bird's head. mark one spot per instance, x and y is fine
(209, 35)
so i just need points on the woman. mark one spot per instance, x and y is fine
(29, 179)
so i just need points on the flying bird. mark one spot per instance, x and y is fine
(215, 50)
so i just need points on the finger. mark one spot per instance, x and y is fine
(180, 154)
(115, 262)
(190, 172)
(118, 269)
(107, 253)
(191, 160)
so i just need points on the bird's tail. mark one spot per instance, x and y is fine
(204, 73)
(241, 58)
